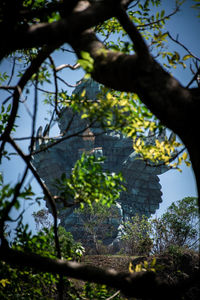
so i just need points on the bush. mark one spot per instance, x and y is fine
(135, 237)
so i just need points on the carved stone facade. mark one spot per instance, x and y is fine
(143, 194)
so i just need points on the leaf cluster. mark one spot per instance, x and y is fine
(144, 267)
(176, 228)
(88, 183)
(7, 194)
(27, 282)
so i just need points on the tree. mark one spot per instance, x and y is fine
(41, 27)
(136, 236)
(178, 226)
(100, 224)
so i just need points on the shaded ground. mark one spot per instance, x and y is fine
(118, 262)
(173, 268)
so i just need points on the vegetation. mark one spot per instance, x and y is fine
(136, 234)
(26, 283)
(177, 228)
(140, 238)
(140, 96)
(99, 222)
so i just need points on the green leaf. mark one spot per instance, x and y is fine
(85, 55)
(162, 13)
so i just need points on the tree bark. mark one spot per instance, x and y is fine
(131, 284)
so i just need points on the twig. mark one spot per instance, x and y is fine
(56, 85)
(12, 72)
(33, 68)
(7, 99)
(64, 138)
(10, 124)
(34, 115)
(64, 66)
(67, 50)
(168, 161)
(26, 159)
(44, 91)
(195, 77)
(113, 296)
(7, 87)
(12, 203)
(158, 21)
(183, 46)
(67, 84)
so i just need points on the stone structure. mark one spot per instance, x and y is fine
(143, 193)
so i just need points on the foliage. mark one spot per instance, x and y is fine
(197, 6)
(86, 62)
(136, 236)
(98, 292)
(7, 194)
(124, 112)
(116, 111)
(175, 229)
(143, 267)
(178, 226)
(23, 282)
(99, 223)
(88, 183)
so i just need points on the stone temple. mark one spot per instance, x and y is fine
(143, 190)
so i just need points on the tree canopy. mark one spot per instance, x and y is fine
(118, 44)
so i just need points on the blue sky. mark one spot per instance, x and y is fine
(175, 185)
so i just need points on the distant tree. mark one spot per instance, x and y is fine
(100, 225)
(136, 236)
(178, 226)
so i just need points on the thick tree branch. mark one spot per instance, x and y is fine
(138, 42)
(155, 86)
(84, 16)
(130, 284)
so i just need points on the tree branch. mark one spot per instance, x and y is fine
(161, 92)
(84, 16)
(45, 191)
(160, 20)
(33, 68)
(183, 46)
(64, 66)
(8, 208)
(131, 284)
(138, 41)
(56, 85)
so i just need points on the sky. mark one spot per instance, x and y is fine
(175, 185)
